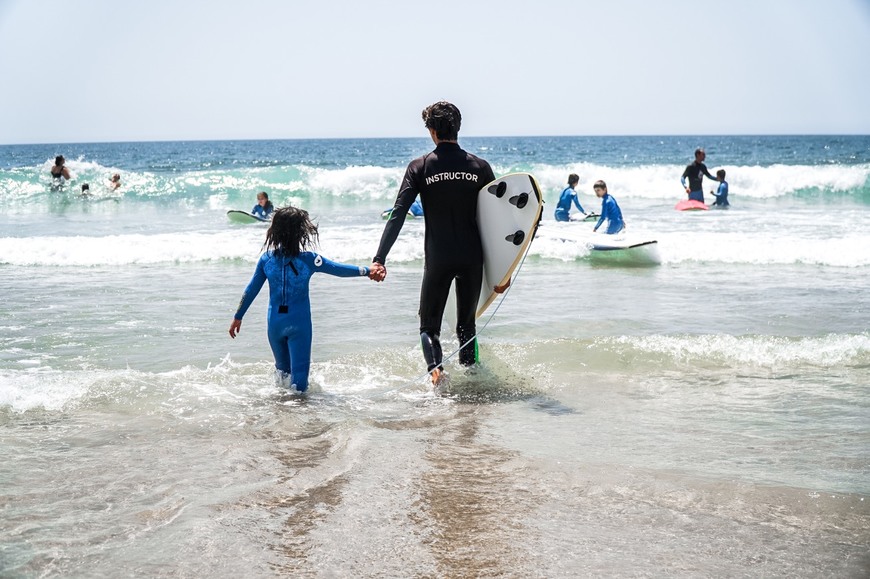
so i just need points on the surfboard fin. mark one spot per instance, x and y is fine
(516, 238)
(498, 190)
(519, 200)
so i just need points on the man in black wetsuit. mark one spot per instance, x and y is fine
(695, 173)
(447, 180)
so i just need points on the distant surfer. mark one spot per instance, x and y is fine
(115, 182)
(721, 194)
(568, 196)
(59, 173)
(264, 208)
(416, 210)
(610, 211)
(695, 172)
(448, 180)
(288, 267)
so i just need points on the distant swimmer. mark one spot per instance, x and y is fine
(448, 180)
(721, 194)
(288, 267)
(115, 182)
(695, 174)
(86, 190)
(610, 210)
(416, 208)
(568, 196)
(264, 207)
(59, 173)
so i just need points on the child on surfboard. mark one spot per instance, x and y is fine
(288, 266)
(264, 208)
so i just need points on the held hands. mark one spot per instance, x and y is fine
(235, 328)
(377, 272)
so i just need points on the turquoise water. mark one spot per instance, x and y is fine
(704, 417)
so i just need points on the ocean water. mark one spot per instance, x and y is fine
(708, 416)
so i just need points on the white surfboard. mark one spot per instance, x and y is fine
(621, 249)
(508, 214)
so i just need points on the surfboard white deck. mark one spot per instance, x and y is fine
(623, 250)
(236, 216)
(508, 213)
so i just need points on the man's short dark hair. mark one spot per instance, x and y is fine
(573, 179)
(444, 118)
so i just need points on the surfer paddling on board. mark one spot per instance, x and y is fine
(448, 180)
(264, 208)
(610, 210)
(695, 174)
(288, 267)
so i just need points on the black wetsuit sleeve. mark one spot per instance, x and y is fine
(407, 193)
(707, 173)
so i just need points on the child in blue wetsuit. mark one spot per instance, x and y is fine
(721, 195)
(610, 210)
(289, 268)
(264, 207)
(563, 207)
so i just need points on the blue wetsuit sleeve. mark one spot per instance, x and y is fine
(604, 214)
(254, 286)
(577, 203)
(320, 264)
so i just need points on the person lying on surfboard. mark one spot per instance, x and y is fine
(264, 208)
(448, 180)
(610, 210)
(288, 267)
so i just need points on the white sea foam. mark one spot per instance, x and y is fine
(663, 181)
(825, 351)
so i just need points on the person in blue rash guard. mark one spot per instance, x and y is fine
(610, 210)
(264, 208)
(721, 194)
(563, 207)
(695, 174)
(289, 268)
(448, 180)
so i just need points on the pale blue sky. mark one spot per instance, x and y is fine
(116, 70)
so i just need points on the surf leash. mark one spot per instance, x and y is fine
(504, 295)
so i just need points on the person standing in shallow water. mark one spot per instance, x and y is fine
(448, 180)
(610, 211)
(288, 267)
(695, 174)
(59, 173)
